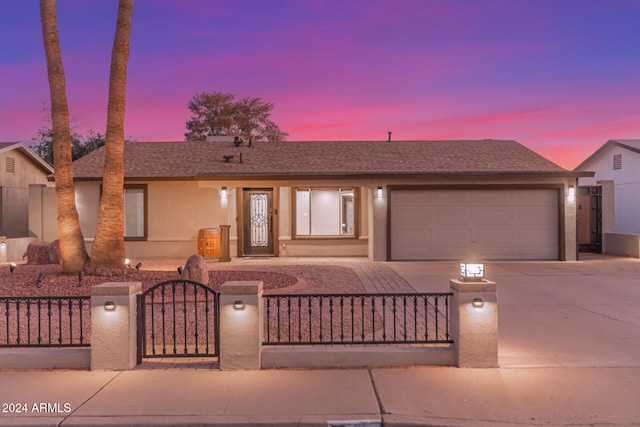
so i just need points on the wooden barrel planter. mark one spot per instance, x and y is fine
(209, 243)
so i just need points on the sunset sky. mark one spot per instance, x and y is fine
(561, 77)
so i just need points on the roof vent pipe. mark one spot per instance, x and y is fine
(389, 140)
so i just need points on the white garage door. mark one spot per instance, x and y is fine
(481, 224)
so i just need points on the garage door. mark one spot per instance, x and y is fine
(482, 224)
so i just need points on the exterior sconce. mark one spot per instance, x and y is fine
(127, 262)
(571, 194)
(471, 272)
(138, 265)
(12, 267)
(478, 302)
(379, 192)
(109, 306)
(238, 305)
(223, 193)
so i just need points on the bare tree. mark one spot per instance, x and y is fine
(72, 247)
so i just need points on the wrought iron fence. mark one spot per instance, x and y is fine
(45, 321)
(356, 319)
(178, 318)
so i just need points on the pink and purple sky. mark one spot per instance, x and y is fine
(562, 77)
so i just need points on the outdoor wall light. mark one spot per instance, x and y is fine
(238, 305)
(477, 302)
(571, 194)
(379, 192)
(109, 306)
(471, 272)
(223, 193)
(127, 262)
(12, 267)
(180, 270)
(138, 265)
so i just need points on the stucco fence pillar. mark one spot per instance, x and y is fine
(113, 326)
(474, 323)
(241, 325)
(3, 248)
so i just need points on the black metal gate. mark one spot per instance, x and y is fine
(590, 219)
(178, 318)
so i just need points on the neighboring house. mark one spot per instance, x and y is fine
(22, 173)
(610, 198)
(396, 200)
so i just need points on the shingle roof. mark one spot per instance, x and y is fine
(316, 159)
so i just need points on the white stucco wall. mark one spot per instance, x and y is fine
(626, 185)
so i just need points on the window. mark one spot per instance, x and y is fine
(135, 212)
(617, 161)
(325, 212)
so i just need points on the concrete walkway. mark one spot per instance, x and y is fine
(569, 349)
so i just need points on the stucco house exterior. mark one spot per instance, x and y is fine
(610, 210)
(386, 200)
(21, 172)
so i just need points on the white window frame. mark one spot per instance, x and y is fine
(309, 222)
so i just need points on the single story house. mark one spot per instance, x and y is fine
(611, 197)
(20, 172)
(387, 200)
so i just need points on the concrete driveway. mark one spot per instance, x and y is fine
(556, 314)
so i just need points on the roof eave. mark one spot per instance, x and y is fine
(351, 176)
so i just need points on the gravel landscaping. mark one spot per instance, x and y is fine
(276, 278)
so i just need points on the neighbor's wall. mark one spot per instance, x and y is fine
(14, 196)
(626, 182)
(622, 244)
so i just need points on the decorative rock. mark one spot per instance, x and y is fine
(54, 252)
(38, 253)
(196, 269)
(44, 253)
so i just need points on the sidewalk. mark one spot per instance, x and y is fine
(390, 397)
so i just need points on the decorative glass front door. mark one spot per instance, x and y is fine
(258, 215)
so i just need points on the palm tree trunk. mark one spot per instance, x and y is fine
(72, 248)
(108, 251)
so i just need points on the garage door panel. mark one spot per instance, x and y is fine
(489, 224)
(494, 215)
(494, 233)
(535, 215)
(443, 215)
(492, 198)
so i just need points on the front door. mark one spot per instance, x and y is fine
(258, 219)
